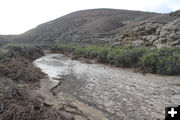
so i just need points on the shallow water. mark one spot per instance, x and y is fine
(119, 93)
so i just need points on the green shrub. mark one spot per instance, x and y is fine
(87, 51)
(102, 54)
(126, 57)
(63, 48)
(164, 61)
(149, 62)
(27, 51)
(15, 48)
(80, 51)
(3, 53)
(93, 53)
(111, 56)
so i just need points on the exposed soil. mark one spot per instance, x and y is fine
(18, 101)
(120, 94)
(68, 104)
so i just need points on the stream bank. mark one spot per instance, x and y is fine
(69, 104)
(118, 93)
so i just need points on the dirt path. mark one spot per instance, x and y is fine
(120, 94)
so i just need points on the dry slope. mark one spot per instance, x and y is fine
(87, 26)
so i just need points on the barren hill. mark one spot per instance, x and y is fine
(87, 26)
(108, 26)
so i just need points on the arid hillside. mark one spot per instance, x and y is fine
(159, 31)
(106, 26)
(87, 26)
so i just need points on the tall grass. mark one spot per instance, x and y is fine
(163, 61)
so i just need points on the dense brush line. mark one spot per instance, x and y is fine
(159, 61)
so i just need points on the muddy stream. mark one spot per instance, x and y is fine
(102, 90)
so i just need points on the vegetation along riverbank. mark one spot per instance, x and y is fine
(165, 61)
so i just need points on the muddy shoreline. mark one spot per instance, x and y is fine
(118, 93)
(71, 105)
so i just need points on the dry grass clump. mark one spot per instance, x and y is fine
(20, 68)
(16, 62)
(27, 51)
(20, 104)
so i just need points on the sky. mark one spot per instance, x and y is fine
(18, 16)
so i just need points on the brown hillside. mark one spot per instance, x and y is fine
(87, 26)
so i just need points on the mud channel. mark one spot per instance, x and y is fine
(120, 94)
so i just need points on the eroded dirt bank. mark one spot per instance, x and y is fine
(72, 108)
(118, 93)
